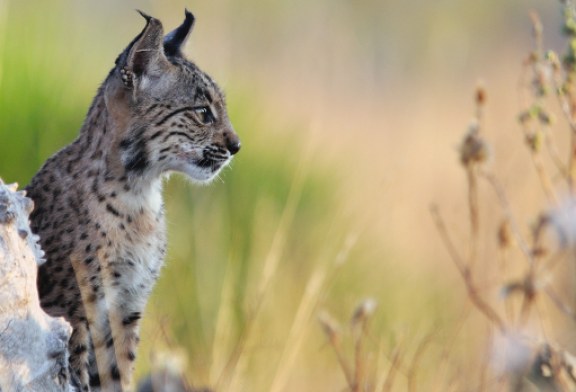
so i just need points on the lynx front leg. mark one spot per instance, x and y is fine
(125, 332)
(96, 303)
(128, 286)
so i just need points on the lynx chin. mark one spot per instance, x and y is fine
(99, 209)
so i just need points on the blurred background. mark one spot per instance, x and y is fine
(350, 115)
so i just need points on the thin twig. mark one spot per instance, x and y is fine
(567, 310)
(545, 180)
(474, 213)
(473, 294)
(358, 364)
(506, 208)
(568, 113)
(395, 363)
(416, 360)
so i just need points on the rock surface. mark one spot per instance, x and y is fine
(33, 345)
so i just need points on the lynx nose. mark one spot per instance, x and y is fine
(232, 143)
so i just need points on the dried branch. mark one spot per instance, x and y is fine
(464, 270)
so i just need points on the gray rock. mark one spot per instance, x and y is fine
(33, 345)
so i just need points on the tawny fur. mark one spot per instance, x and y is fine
(99, 210)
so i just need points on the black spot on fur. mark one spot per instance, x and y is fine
(112, 210)
(115, 373)
(132, 318)
(138, 158)
(80, 349)
(94, 380)
(136, 154)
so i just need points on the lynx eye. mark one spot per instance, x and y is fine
(204, 114)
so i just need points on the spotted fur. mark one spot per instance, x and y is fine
(99, 210)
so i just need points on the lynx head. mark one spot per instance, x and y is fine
(168, 114)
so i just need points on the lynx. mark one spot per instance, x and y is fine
(99, 209)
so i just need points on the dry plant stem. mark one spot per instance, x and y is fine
(536, 60)
(537, 31)
(474, 213)
(508, 310)
(572, 161)
(394, 365)
(528, 301)
(555, 155)
(529, 288)
(553, 261)
(359, 368)
(568, 110)
(505, 205)
(416, 361)
(557, 301)
(545, 180)
(306, 308)
(335, 343)
(464, 271)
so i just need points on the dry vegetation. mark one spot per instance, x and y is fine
(528, 343)
(528, 322)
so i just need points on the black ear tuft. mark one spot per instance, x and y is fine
(176, 38)
(144, 15)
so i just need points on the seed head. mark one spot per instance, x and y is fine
(363, 311)
(329, 325)
(504, 235)
(473, 148)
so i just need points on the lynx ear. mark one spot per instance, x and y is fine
(145, 54)
(176, 38)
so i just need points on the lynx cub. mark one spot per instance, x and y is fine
(99, 209)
